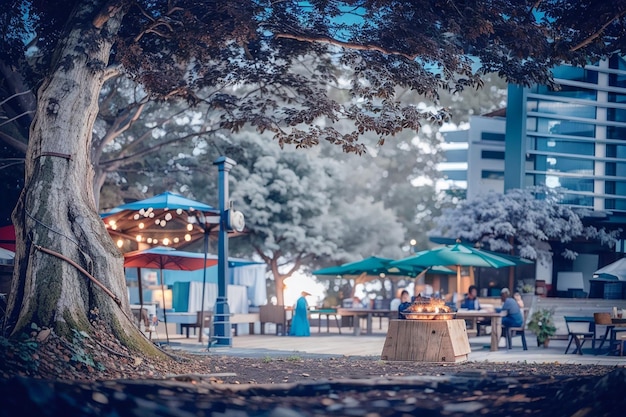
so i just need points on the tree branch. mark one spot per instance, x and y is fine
(347, 45)
(14, 143)
(597, 34)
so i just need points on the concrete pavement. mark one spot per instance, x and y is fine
(333, 345)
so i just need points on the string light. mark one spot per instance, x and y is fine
(141, 225)
(166, 241)
(168, 217)
(187, 237)
(138, 238)
(120, 243)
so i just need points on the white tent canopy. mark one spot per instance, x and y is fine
(612, 272)
(6, 256)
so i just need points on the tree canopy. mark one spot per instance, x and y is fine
(520, 221)
(194, 49)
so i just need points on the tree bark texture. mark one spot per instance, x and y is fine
(56, 220)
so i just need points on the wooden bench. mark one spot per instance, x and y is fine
(242, 318)
(208, 316)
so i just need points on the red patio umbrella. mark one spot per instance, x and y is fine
(166, 258)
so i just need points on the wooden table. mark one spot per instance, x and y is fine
(496, 323)
(326, 312)
(359, 313)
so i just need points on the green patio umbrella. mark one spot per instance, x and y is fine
(458, 255)
(376, 266)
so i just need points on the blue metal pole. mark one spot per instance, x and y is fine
(221, 316)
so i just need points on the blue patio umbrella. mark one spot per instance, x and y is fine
(167, 219)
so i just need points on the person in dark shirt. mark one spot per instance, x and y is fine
(405, 302)
(471, 299)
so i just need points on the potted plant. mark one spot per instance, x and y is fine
(542, 325)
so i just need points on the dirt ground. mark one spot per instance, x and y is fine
(48, 376)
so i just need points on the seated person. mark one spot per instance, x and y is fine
(471, 299)
(514, 316)
(405, 302)
(357, 303)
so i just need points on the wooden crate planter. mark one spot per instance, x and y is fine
(426, 341)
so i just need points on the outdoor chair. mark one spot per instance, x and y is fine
(510, 332)
(579, 330)
(603, 319)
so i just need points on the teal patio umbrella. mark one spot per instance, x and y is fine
(457, 255)
(376, 266)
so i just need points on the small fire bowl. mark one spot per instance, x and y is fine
(427, 316)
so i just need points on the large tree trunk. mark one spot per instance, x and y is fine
(56, 220)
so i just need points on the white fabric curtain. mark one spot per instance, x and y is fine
(237, 297)
(253, 277)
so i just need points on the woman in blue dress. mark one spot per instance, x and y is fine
(300, 321)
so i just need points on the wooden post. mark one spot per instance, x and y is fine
(426, 341)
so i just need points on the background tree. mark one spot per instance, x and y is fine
(519, 222)
(69, 49)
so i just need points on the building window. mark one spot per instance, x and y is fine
(456, 175)
(499, 155)
(568, 91)
(563, 146)
(492, 175)
(554, 163)
(495, 137)
(616, 115)
(576, 74)
(577, 200)
(567, 109)
(617, 98)
(615, 169)
(456, 155)
(616, 151)
(614, 132)
(566, 127)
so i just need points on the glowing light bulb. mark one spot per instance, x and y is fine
(142, 212)
(157, 222)
(111, 222)
(149, 240)
(162, 223)
(189, 227)
(176, 240)
(120, 243)
(151, 215)
(136, 217)
(138, 238)
(168, 217)
(187, 237)
(179, 211)
(166, 241)
(141, 225)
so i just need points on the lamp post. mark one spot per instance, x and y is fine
(221, 324)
